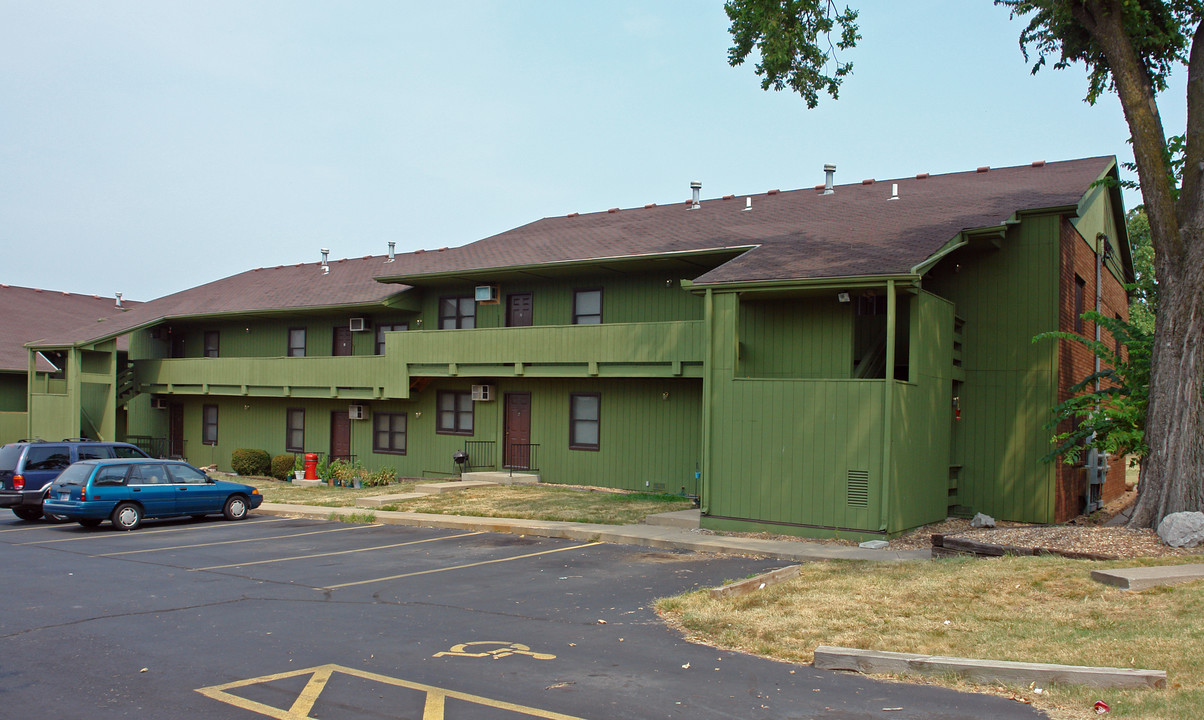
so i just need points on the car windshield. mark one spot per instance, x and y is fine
(9, 455)
(75, 475)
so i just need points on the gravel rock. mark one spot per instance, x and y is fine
(1182, 529)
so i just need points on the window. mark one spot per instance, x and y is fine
(1080, 288)
(294, 431)
(47, 457)
(584, 421)
(296, 342)
(455, 413)
(186, 474)
(110, 475)
(127, 452)
(587, 307)
(84, 452)
(209, 425)
(380, 334)
(212, 338)
(457, 313)
(389, 433)
(148, 475)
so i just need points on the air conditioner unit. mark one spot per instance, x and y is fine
(487, 294)
(158, 403)
(359, 324)
(482, 393)
(356, 412)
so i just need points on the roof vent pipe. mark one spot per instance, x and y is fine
(829, 173)
(894, 191)
(695, 186)
(325, 259)
(392, 249)
(118, 299)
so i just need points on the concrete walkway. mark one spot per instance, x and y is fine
(645, 535)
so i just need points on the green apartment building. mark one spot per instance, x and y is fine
(854, 359)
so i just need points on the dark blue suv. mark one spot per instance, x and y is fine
(28, 467)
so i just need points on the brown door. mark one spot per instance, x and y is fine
(516, 448)
(518, 309)
(340, 435)
(342, 340)
(175, 430)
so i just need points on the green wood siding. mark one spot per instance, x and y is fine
(13, 426)
(626, 298)
(781, 451)
(1006, 296)
(920, 430)
(803, 338)
(648, 441)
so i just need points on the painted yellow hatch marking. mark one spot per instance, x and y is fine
(434, 706)
(455, 567)
(506, 650)
(240, 540)
(336, 552)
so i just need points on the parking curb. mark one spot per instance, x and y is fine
(666, 538)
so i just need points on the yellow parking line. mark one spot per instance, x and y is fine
(142, 533)
(319, 677)
(339, 552)
(232, 542)
(454, 567)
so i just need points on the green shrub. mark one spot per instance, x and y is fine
(282, 467)
(380, 478)
(250, 462)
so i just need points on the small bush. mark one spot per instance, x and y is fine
(282, 467)
(250, 462)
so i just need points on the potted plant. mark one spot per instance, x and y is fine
(298, 467)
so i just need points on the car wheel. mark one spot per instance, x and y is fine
(89, 522)
(127, 516)
(29, 514)
(236, 508)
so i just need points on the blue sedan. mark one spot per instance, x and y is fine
(126, 491)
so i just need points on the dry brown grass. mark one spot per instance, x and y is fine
(1025, 609)
(275, 491)
(546, 502)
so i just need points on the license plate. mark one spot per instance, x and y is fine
(65, 495)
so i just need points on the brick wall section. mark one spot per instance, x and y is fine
(1076, 362)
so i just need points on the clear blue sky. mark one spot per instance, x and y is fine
(147, 147)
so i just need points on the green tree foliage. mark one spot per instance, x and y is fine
(1143, 294)
(1111, 418)
(794, 39)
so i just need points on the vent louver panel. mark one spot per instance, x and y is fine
(859, 488)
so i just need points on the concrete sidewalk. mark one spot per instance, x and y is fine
(656, 536)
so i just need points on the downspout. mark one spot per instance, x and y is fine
(888, 390)
(1099, 298)
(708, 386)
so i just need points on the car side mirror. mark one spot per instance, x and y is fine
(210, 480)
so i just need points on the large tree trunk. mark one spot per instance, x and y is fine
(1174, 478)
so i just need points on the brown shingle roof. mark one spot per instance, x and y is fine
(28, 313)
(800, 234)
(291, 287)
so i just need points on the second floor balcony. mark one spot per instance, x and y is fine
(661, 349)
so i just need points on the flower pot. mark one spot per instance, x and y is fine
(299, 474)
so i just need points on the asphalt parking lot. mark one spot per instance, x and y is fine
(292, 618)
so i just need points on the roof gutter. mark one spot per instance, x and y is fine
(853, 281)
